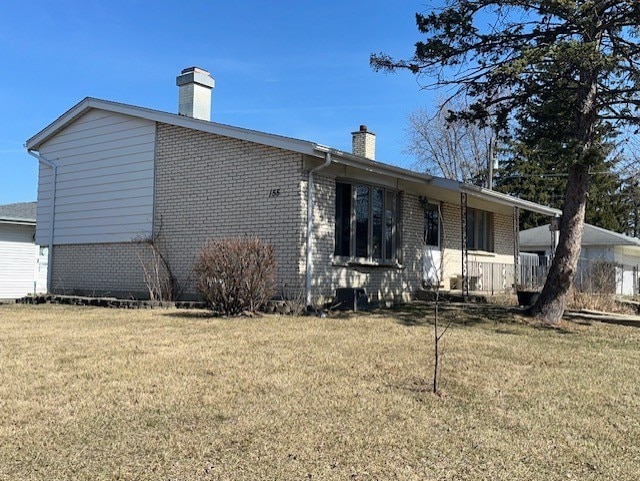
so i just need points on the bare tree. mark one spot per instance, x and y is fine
(435, 276)
(456, 150)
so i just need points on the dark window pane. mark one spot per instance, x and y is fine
(343, 219)
(431, 226)
(389, 221)
(362, 221)
(481, 230)
(376, 219)
(488, 232)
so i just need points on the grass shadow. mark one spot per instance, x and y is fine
(422, 314)
(192, 314)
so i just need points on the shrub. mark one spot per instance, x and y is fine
(236, 274)
(156, 272)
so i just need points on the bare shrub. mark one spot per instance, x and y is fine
(236, 274)
(162, 284)
(599, 277)
(157, 273)
(577, 300)
(294, 300)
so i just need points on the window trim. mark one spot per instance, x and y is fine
(396, 226)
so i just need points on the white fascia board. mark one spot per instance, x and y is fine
(611, 238)
(440, 182)
(57, 125)
(373, 166)
(18, 221)
(83, 106)
(493, 196)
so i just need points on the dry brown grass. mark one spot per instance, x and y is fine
(96, 394)
(595, 301)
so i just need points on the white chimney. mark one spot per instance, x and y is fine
(194, 98)
(364, 143)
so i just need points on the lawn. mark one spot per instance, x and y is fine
(96, 394)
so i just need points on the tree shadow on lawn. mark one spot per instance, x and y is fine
(192, 314)
(420, 314)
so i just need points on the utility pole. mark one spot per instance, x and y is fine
(492, 144)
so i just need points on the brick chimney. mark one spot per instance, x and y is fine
(194, 97)
(364, 143)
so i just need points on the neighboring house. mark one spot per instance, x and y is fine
(23, 264)
(112, 174)
(607, 258)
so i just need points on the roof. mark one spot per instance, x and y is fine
(312, 149)
(20, 213)
(593, 236)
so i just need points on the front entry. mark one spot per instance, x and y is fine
(432, 258)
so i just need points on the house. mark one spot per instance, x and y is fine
(23, 264)
(608, 261)
(112, 174)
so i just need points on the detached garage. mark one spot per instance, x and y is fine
(23, 264)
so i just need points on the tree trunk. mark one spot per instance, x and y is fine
(553, 299)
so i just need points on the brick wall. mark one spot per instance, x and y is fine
(113, 269)
(363, 143)
(209, 186)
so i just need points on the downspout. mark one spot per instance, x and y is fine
(310, 189)
(54, 175)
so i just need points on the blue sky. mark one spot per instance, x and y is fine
(295, 68)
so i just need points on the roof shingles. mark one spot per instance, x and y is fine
(21, 211)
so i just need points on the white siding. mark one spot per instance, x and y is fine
(18, 260)
(41, 269)
(105, 181)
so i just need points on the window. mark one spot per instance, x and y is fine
(432, 225)
(343, 220)
(479, 230)
(366, 222)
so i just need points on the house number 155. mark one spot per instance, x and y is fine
(274, 193)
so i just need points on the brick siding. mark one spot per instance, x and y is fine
(209, 186)
(113, 269)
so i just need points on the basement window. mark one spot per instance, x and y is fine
(366, 223)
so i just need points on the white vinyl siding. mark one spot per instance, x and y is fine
(18, 260)
(105, 180)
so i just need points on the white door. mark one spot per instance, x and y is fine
(432, 262)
